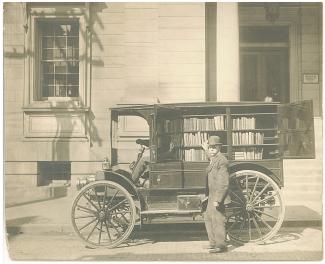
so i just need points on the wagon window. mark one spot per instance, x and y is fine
(297, 130)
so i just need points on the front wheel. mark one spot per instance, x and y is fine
(103, 214)
(257, 209)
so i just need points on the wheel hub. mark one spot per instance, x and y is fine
(249, 207)
(101, 215)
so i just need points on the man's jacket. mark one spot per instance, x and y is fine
(218, 179)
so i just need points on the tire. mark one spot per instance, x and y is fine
(103, 214)
(257, 210)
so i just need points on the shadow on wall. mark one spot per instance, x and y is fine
(89, 36)
(65, 128)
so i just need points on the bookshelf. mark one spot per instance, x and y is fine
(254, 132)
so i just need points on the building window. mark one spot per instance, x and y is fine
(53, 173)
(59, 58)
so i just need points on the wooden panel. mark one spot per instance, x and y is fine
(165, 179)
(187, 33)
(181, 9)
(20, 167)
(181, 22)
(194, 179)
(54, 125)
(169, 166)
(185, 45)
(142, 14)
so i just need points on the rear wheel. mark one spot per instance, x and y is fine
(257, 209)
(103, 214)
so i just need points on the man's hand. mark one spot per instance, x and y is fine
(205, 145)
(220, 207)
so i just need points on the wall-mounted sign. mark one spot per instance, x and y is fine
(310, 78)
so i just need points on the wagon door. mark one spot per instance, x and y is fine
(165, 171)
(296, 127)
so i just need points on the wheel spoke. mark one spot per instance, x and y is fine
(84, 195)
(242, 226)
(236, 202)
(119, 233)
(231, 226)
(266, 214)
(86, 209)
(100, 207)
(100, 231)
(247, 185)
(238, 212)
(85, 216)
(265, 223)
(92, 230)
(267, 198)
(120, 212)
(109, 235)
(251, 197)
(87, 224)
(113, 197)
(258, 228)
(260, 193)
(116, 205)
(249, 228)
(104, 199)
(235, 208)
(266, 206)
(242, 202)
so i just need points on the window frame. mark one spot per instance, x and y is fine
(39, 49)
(33, 90)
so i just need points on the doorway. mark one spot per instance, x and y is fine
(264, 63)
(264, 72)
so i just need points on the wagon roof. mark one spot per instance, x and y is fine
(191, 104)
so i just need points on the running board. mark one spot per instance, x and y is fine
(172, 212)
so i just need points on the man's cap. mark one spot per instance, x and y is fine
(214, 140)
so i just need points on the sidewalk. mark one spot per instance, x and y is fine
(54, 216)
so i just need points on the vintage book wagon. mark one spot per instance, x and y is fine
(256, 137)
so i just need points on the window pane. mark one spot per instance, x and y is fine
(73, 67)
(73, 42)
(61, 67)
(63, 91)
(47, 54)
(48, 42)
(73, 91)
(73, 79)
(48, 91)
(60, 42)
(60, 58)
(48, 79)
(48, 67)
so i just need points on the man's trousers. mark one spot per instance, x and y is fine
(215, 226)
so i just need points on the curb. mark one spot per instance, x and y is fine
(195, 228)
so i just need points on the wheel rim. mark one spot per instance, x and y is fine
(257, 209)
(103, 214)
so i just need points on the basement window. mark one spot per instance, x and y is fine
(54, 173)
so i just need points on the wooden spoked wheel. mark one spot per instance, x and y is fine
(257, 210)
(103, 214)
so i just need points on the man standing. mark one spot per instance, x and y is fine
(217, 187)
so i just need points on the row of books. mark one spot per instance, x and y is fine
(247, 138)
(195, 139)
(194, 155)
(243, 123)
(215, 123)
(248, 153)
